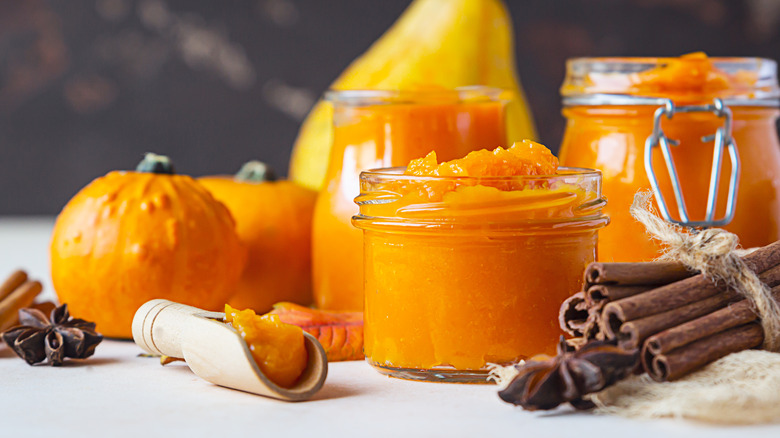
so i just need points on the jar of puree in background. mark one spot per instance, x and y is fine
(625, 114)
(462, 271)
(381, 129)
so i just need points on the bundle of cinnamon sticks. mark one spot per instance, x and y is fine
(16, 292)
(679, 319)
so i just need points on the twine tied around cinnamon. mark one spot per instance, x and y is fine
(714, 253)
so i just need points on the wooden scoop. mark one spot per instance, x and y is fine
(216, 352)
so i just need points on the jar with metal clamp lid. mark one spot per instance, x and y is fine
(699, 132)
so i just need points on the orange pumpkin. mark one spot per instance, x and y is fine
(129, 237)
(273, 219)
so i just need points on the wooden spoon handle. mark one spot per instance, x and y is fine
(159, 326)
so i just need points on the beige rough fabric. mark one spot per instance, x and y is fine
(502, 375)
(742, 388)
(713, 252)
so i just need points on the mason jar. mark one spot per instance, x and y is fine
(699, 132)
(461, 272)
(375, 128)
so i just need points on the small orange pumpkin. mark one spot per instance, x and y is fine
(273, 219)
(130, 237)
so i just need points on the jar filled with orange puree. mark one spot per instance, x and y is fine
(698, 131)
(381, 129)
(467, 262)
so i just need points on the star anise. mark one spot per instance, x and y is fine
(38, 338)
(569, 376)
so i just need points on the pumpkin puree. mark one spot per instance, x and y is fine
(278, 348)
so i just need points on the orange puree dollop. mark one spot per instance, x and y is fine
(278, 348)
(691, 73)
(523, 158)
(688, 79)
(483, 184)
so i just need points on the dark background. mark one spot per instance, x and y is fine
(87, 86)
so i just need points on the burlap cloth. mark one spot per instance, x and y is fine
(741, 388)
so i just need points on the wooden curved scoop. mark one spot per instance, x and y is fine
(216, 352)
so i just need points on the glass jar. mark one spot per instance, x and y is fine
(650, 123)
(462, 272)
(381, 129)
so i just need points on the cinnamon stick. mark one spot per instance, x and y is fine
(16, 279)
(679, 326)
(21, 297)
(764, 261)
(641, 273)
(580, 314)
(731, 316)
(680, 361)
(613, 292)
(573, 315)
(592, 328)
(631, 334)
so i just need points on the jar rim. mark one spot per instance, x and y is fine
(471, 93)
(398, 173)
(426, 216)
(692, 77)
(638, 63)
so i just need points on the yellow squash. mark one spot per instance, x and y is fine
(435, 43)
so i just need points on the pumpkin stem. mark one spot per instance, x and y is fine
(153, 163)
(255, 171)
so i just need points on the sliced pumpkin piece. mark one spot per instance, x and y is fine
(340, 333)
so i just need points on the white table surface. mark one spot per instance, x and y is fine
(117, 394)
